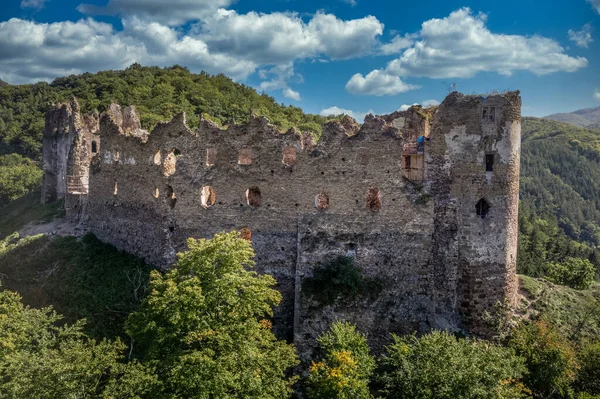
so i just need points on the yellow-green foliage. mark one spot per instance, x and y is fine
(345, 370)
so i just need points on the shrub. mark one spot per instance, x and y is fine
(549, 357)
(576, 273)
(441, 366)
(340, 278)
(18, 176)
(346, 367)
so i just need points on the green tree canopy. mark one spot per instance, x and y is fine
(18, 176)
(205, 325)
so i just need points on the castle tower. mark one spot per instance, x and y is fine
(473, 165)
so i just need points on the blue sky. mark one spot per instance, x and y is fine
(354, 56)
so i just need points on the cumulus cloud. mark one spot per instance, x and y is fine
(377, 83)
(460, 46)
(31, 51)
(281, 37)
(35, 4)
(289, 93)
(172, 12)
(597, 94)
(595, 4)
(426, 104)
(359, 116)
(397, 44)
(583, 37)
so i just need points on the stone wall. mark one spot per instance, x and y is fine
(439, 262)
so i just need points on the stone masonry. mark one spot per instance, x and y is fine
(425, 200)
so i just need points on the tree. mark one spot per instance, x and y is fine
(439, 365)
(39, 359)
(18, 176)
(574, 272)
(550, 359)
(205, 325)
(588, 378)
(346, 367)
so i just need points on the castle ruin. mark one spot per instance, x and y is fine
(425, 201)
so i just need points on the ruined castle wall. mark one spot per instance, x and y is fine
(440, 262)
(343, 168)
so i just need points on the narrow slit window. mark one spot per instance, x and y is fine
(492, 114)
(373, 201)
(94, 147)
(482, 208)
(407, 162)
(485, 114)
(156, 192)
(489, 162)
(171, 197)
(116, 188)
(253, 197)
(322, 200)
(208, 197)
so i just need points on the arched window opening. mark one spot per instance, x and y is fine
(157, 158)
(208, 197)
(94, 147)
(246, 234)
(253, 196)
(373, 201)
(170, 164)
(482, 208)
(171, 197)
(176, 152)
(116, 189)
(322, 200)
(211, 156)
(289, 156)
(245, 157)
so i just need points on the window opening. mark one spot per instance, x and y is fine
(116, 190)
(94, 147)
(482, 208)
(253, 196)
(492, 114)
(489, 162)
(211, 156)
(289, 156)
(170, 164)
(208, 197)
(171, 197)
(156, 192)
(350, 249)
(322, 200)
(245, 157)
(485, 114)
(373, 201)
(246, 234)
(407, 162)
(157, 158)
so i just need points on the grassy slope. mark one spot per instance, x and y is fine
(576, 313)
(25, 210)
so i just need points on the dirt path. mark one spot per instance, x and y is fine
(57, 227)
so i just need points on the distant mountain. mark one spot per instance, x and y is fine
(3, 83)
(589, 117)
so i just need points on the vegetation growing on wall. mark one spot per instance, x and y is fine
(340, 280)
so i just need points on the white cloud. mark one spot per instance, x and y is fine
(35, 4)
(171, 12)
(595, 4)
(426, 104)
(597, 94)
(377, 83)
(351, 3)
(282, 37)
(29, 51)
(583, 37)
(359, 116)
(289, 93)
(397, 44)
(461, 45)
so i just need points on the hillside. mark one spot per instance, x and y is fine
(3, 83)
(560, 175)
(588, 117)
(158, 94)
